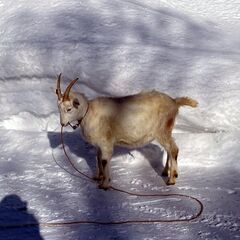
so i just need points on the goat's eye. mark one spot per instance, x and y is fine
(69, 109)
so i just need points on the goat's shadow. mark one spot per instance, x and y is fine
(77, 146)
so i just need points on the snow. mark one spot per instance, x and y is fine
(117, 48)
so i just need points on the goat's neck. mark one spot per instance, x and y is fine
(83, 109)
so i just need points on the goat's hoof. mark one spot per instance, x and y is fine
(101, 186)
(171, 182)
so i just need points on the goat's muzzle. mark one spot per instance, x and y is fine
(73, 126)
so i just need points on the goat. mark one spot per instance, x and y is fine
(130, 121)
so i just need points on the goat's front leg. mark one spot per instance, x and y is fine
(105, 157)
(99, 175)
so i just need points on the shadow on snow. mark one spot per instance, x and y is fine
(13, 214)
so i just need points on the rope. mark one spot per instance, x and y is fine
(135, 221)
(88, 178)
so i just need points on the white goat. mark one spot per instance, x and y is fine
(131, 121)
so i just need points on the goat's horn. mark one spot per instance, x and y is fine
(66, 93)
(58, 90)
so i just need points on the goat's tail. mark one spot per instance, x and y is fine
(186, 101)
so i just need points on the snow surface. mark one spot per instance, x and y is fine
(119, 47)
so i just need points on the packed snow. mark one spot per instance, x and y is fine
(116, 48)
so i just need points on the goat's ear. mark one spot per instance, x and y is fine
(76, 103)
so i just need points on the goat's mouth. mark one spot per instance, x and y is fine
(73, 126)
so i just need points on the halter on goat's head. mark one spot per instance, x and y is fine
(67, 104)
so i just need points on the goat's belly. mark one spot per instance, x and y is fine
(134, 142)
(135, 133)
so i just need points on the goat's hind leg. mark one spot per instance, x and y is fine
(173, 163)
(170, 169)
(166, 169)
(175, 150)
